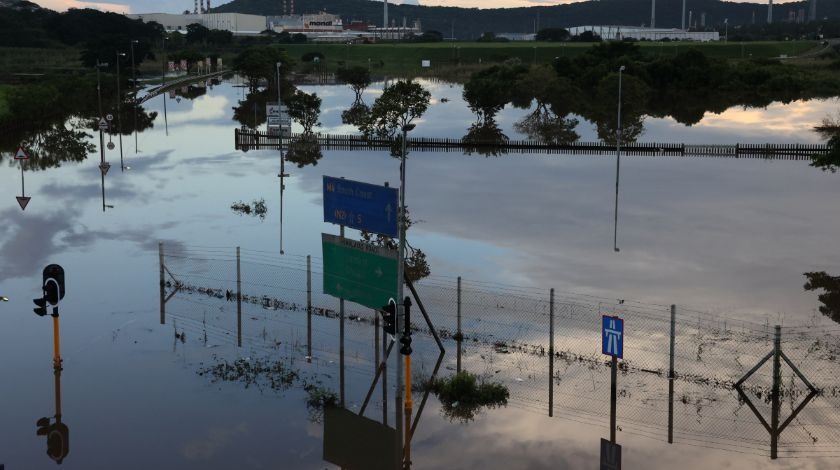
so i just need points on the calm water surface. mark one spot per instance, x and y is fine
(729, 237)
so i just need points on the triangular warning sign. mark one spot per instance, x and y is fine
(23, 201)
(21, 154)
(104, 167)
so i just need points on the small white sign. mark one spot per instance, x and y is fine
(426, 63)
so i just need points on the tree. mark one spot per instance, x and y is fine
(553, 34)
(829, 129)
(830, 298)
(305, 108)
(258, 62)
(197, 33)
(399, 105)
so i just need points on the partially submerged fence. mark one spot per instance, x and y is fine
(247, 139)
(678, 382)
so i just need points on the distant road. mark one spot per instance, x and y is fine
(177, 83)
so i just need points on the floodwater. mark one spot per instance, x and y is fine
(722, 238)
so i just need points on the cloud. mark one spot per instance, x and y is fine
(64, 5)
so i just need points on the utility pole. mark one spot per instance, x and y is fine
(119, 110)
(134, 82)
(617, 162)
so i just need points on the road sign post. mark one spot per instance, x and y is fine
(362, 206)
(22, 200)
(359, 272)
(610, 455)
(612, 344)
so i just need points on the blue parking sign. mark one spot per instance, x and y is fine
(612, 336)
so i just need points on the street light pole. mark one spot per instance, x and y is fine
(134, 95)
(282, 174)
(399, 327)
(119, 110)
(617, 162)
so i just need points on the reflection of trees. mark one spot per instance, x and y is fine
(191, 91)
(542, 124)
(830, 298)
(485, 138)
(52, 144)
(304, 150)
(416, 265)
(829, 129)
(356, 115)
(251, 111)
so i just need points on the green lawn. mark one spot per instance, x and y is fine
(4, 107)
(395, 58)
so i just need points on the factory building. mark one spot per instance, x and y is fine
(613, 32)
(238, 23)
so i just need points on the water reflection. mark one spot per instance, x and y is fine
(52, 145)
(304, 150)
(485, 138)
(55, 429)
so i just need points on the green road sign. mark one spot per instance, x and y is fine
(358, 272)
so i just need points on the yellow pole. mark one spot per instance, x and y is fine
(408, 408)
(56, 345)
(58, 394)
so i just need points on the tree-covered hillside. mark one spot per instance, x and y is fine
(469, 23)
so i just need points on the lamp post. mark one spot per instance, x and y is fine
(282, 174)
(134, 95)
(119, 109)
(617, 162)
(400, 286)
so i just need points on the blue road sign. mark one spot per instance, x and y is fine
(612, 336)
(361, 206)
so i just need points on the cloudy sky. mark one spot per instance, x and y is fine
(175, 6)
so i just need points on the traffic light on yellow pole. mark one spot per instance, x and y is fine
(52, 288)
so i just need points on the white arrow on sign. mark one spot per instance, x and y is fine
(23, 201)
(21, 154)
(104, 167)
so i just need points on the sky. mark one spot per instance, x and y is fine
(177, 6)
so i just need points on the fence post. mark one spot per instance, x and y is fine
(238, 300)
(309, 308)
(777, 380)
(341, 341)
(458, 335)
(162, 285)
(551, 353)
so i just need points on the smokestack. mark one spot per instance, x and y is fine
(770, 12)
(195, 10)
(292, 7)
(683, 16)
(385, 19)
(812, 14)
(208, 6)
(652, 13)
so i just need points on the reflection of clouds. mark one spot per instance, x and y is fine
(216, 439)
(204, 108)
(792, 122)
(27, 241)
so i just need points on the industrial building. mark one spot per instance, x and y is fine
(613, 32)
(237, 23)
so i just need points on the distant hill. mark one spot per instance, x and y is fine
(469, 23)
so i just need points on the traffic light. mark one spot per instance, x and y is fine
(53, 283)
(405, 340)
(58, 438)
(41, 310)
(389, 318)
(52, 287)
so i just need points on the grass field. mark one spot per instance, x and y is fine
(4, 107)
(407, 57)
(35, 60)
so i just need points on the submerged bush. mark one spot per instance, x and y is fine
(464, 394)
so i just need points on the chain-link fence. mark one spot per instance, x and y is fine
(504, 334)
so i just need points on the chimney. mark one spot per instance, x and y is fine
(652, 13)
(770, 12)
(195, 10)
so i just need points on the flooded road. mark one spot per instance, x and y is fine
(726, 240)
